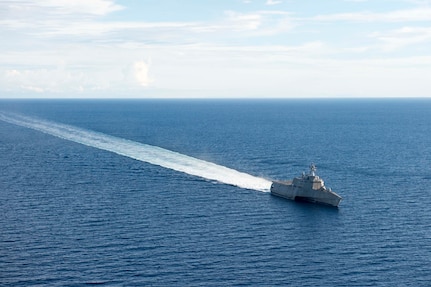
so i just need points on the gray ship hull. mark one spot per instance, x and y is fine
(288, 190)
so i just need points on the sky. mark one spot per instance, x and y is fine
(215, 48)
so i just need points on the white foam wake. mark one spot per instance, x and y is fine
(143, 152)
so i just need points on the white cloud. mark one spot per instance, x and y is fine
(12, 73)
(273, 2)
(306, 70)
(280, 71)
(33, 89)
(25, 20)
(407, 15)
(259, 23)
(403, 37)
(99, 29)
(63, 8)
(79, 21)
(65, 47)
(95, 7)
(241, 21)
(141, 72)
(256, 24)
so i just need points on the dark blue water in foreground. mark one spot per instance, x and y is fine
(72, 215)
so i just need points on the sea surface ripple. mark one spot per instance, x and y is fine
(74, 215)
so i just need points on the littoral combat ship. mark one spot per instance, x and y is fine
(309, 187)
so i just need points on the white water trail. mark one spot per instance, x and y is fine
(142, 152)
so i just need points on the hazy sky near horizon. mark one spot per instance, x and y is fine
(215, 48)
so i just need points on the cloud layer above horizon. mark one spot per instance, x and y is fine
(227, 49)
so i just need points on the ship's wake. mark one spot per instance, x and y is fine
(142, 152)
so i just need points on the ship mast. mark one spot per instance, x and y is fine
(313, 169)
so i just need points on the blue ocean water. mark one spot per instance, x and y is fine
(75, 215)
